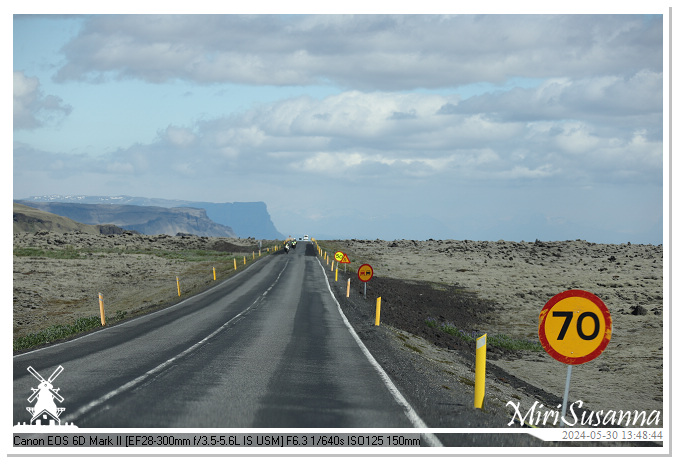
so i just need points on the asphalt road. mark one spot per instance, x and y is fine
(265, 348)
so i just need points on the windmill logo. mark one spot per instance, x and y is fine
(45, 410)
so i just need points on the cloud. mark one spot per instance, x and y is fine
(33, 109)
(364, 52)
(358, 139)
(178, 136)
(589, 98)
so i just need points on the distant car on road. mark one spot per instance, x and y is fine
(306, 238)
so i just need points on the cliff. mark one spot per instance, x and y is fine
(245, 219)
(148, 220)
(31, 220)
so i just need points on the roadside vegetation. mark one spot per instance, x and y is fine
(66, 253)
(222, 261)
(191, 255)
(498, 340)
(61, 332)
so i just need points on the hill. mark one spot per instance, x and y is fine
(27, 219)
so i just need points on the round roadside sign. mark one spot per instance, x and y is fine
(575, 327)
(339, 256)
(365, 272)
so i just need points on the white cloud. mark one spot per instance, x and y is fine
(609, 97)
(32, 109)
(179, 136)
(354, 135)
(367, 52)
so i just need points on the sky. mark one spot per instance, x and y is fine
(446, 126)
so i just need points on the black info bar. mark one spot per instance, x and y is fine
(127, 440)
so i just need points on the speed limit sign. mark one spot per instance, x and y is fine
(575, 327)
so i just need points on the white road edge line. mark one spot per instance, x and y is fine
(430, 438)
(129, 385)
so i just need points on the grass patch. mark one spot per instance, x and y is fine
(194, 255)
(499, 340)
(60, 332)
(467, 381)
(414, 348)
(438, 287)
(66, 253)
(191, 255)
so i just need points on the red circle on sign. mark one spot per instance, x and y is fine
(365, 272)
(548, 308)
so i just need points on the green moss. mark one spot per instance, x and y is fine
(467, 381)
(60, 332)
(414, 348)
(499, 340)
(66, 253)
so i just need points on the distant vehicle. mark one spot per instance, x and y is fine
(306, 238)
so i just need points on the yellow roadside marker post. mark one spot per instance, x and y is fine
(348, 286)
(101, 309)
(480, 381)
(179, 293)
(377, 310)
(214, 273)
(234, 264)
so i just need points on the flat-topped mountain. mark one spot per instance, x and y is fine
(148, 220)
(245, 219)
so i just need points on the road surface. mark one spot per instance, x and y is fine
(268, 347)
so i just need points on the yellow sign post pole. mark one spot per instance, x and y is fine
(348, 286)
(480, 381)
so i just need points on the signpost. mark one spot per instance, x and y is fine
(365, 273)
(575, 328)
(342, 257)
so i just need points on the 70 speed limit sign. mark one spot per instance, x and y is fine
(575, 327)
